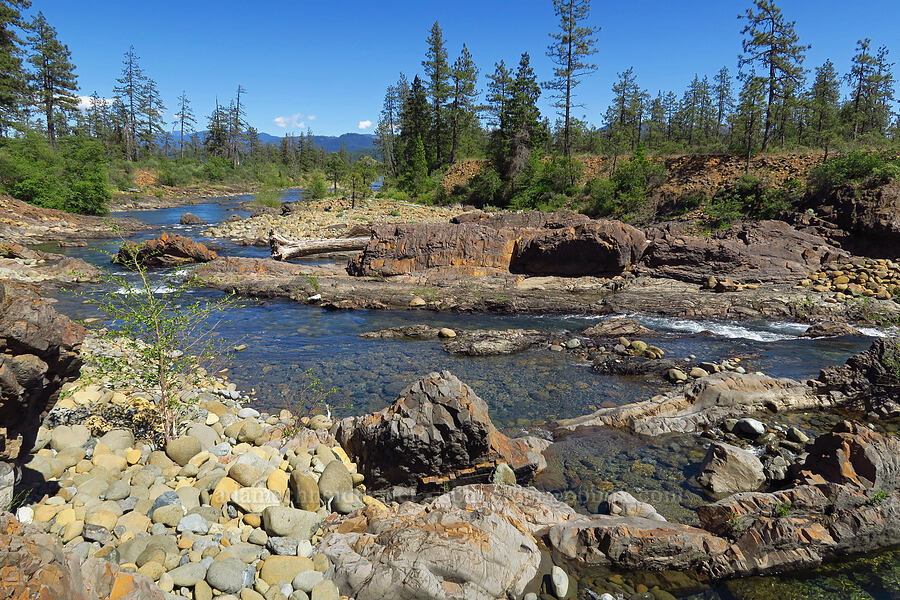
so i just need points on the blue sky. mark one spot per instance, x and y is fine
(325, 64)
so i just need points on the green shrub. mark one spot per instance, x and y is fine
(854, 167)
(317, 188)
(485, 188)
(752, 197)
(600, 198)
(175, 173)
(628, 189)
(546, 184)
(215, 169)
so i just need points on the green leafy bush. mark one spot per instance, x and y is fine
(752, 197)
(72, 178)
(546, 184)
(317, 188)
(215, 169)
(627, 190)
(852, 168)
(176, 173)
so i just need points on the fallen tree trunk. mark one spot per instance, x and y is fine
(283, 248)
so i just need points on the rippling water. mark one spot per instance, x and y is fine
(285, 339)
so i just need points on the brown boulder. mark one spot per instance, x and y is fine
(530, 243)
(871, 217)
(870, 380)
(616, 328)
(764, 251)
(437, 431)
(165, 251)
(855, 456)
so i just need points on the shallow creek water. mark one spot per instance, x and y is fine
(285, 339)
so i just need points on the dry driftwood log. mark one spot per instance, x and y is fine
(283, 248)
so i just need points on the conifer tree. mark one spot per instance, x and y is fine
(414, 123)
(151, 125)
(13, 80)
(463, 76)
(498, 86)
(571, 47)
(723, 99)
(216, 142)
(128, 89)
(525, 130)
(437, 73)
(186, 118)
(750, 111)
(771, 44)
(53, 77)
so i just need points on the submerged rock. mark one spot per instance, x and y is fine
(481, 342)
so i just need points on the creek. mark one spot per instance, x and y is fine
(287, 341)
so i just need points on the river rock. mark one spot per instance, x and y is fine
(283, 569)
(306, 580)
(188, 574)
(66, 436)
(191, 219)
(117, 439)
(481, 342)
(335, 481)
(227, 576)
(616, 328)
(749, 428)
(559, 582)
(282, 521)
(304, 491)
(254, 499)
(183, 449)
(193, 523)
(404, 332)
(624, 504)
(168, 250)
(868, 381)
(438, 425)
(830, 329)
(727, 469)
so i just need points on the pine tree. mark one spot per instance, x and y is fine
(418, 174)
(216, 142)
(389, 123)
(771, 43)
(13, 80)
(54, 81)
(656, 125)
(128, 90)
(336, 167)
(750, 111)
(525, 130)
(437, 72)
(571, 47)
(723, 98)
(463, 76)
(237, 125)
(186, 118)
(498, 86)
(151, 124)
(872, 89)
(414, 123)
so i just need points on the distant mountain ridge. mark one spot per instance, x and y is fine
(353, 142)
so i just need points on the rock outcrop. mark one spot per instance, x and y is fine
(165, 251)
(871, 218)
(437, 431)
(765, 251)
(39, 352)
(23, 264)
(531, 243)
(482, 342)
(869, 381)
(616, 328)
(703, 402)
(34, 565)
(474, 543)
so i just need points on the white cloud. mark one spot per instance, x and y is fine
(311, 117)
(294, 121)
(365, 124)
(84, 102)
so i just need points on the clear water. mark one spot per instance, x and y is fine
(285, 339)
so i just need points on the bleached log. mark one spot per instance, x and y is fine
(283, 248)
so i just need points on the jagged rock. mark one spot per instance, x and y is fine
(830, 329)
(564, 244)
(768, 251)
(869, 381)
(616, 328)
(871, 217)
(165, 251)
(34, 565)
(482, 342)
(436, 427)
(727, 469)
(705, 402)
(473, 543)
(39, 352)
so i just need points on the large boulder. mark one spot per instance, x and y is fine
(727, 469)
(531, 243)
(765, 251)
(165, 251)
(486, 342)
(39, 352)
(475, 543)
(437, 428)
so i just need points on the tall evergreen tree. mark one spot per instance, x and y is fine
(571, 47)
(151, 126)
(498, 86)
(414, 123)
(525, 130)
(750, 111)
(771, 44)
(216, 141)
(128, 89)
(723, 99)
(186, 118)
(437, 73)
(823, 101)
(389, 123)
(237, 127)
(13, 81)
(463, 77)
(53, 76)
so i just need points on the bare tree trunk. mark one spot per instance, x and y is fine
(283, 248)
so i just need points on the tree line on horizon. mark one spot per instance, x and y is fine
(772, 101)
(57, 153)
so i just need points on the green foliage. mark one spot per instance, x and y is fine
(269, 197)
(879, 497)
(215, 169)
(317, 188)
(783, 509)
(627, 190)
(175, 337)
(870, 169)
(546, 185)
(72, 178)
(177, 172)
(752, 197)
